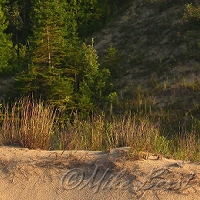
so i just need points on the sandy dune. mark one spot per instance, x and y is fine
(34, 174)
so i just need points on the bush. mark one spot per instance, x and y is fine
(192, 13)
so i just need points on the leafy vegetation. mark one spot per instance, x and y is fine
(139, 89)
(6, 50)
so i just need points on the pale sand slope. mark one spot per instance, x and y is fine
(34, 174)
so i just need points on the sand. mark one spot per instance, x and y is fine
(78, 175)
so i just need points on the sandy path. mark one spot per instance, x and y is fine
(34, 174)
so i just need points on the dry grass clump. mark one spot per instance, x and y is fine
(187, 146)
(100, 133)
(29, 123)
(33, 124)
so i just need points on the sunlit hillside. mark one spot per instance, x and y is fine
(153, 50)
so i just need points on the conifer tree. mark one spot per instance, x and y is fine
(18, 12)
(6, 46)
(53, 33)
(62, 71)
(95, 86)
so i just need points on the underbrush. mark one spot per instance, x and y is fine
(34, 125)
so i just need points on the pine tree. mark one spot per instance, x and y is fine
(53, 35)
(96, 85)
(91, 15)
(62, 71)
(18, 12)
(6, 46)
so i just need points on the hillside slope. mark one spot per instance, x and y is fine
(159, 55)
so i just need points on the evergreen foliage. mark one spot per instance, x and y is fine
(61, 71)
(92, 15)
(6, 46)
(112, 61)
